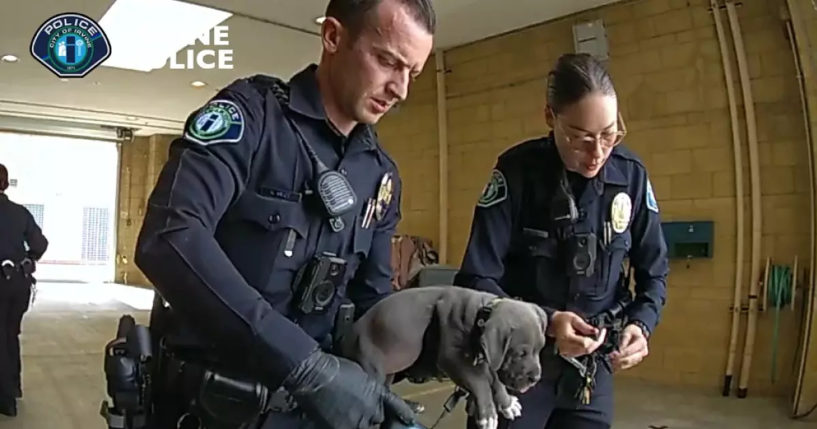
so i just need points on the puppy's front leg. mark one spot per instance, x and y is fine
(508, 404)
(477, 381)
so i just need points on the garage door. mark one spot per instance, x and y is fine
(69, 184)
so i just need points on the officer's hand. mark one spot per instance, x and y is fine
(337, 393)
(633, 348)
(574, 336)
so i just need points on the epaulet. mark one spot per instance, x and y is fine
(626, 154)
(277, 85)
(524, 150)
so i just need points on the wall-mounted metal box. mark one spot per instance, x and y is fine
(689, 239)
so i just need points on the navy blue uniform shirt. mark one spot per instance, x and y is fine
(20, 236)
(513, 249)
(233, 218)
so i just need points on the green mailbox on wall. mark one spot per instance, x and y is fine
(687, 240)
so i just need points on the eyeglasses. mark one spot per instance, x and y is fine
(607, 140)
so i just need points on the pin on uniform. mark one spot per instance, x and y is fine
(376, 208)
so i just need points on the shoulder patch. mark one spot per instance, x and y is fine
(219, 121)
(495, 191)
(652, 204)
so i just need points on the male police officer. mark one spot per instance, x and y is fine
(553, 226)
(276, 205)
(21, 244)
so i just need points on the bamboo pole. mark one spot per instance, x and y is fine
(751, 125)
(442, 130)
(736, 148)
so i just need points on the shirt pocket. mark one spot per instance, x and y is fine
(543, 266)
(612, 257)
(280, 229)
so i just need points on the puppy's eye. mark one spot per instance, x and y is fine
(523, 353)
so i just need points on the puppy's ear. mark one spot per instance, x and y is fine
(543, 318)
(495, 341)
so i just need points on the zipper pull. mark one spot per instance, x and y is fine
(290, 244)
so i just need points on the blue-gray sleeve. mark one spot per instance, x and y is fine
(648, 256)
(483, 263)
(207, 170)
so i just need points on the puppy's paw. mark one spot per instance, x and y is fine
(491, 422)
(512, 410)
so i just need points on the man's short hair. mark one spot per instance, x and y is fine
(4, 178)
(353, 13)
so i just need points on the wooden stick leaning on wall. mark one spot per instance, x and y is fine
(442, 130)
(754, 271)
(733, 112)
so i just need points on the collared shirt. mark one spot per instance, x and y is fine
(234, 217)
(514, 249)
(20, 236)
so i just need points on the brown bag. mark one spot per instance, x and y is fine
(409, 254)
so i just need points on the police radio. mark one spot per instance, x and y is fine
(334, 190)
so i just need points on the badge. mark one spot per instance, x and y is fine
(495, 191)
(620, 212)
(384, 194)
(652, 204)
(220, 121)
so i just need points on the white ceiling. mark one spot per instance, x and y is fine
(267, 36)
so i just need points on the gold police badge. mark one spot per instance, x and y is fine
(620, 211)
(384, 195)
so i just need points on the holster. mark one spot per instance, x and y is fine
(196, 394)
(8, 269)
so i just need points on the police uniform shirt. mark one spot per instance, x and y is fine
(514, 249)
(233, 218)
(20, 236)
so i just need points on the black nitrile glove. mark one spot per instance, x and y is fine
(336, 393)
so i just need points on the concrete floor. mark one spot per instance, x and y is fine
(63, 382)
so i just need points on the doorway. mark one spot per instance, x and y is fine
(69, 185)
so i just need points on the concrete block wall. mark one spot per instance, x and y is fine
(142, 160)
(666, 65)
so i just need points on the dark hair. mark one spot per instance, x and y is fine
(4, 178)
(354, 13)
(575, 76)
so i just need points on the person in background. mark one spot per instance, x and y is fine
(22, 243)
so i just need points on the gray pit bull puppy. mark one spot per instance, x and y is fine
(435, 330)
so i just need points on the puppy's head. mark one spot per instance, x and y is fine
(512, 339)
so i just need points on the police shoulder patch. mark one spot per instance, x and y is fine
(219, 121)
(495, 191)
(652, 204)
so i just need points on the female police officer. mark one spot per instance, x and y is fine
(553, 226)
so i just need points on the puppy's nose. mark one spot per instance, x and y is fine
(533, 376)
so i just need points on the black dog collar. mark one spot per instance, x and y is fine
(483, 315)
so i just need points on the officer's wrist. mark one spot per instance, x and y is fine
(643, 326)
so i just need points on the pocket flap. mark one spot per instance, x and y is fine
(273, 213)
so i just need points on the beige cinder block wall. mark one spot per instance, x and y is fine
(667, 69)
(804, 22)
(142, 160)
